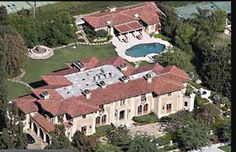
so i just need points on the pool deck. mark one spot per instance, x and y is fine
(121, 47)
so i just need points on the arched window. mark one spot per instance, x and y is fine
(84, 129)
(145, 108)
(98, 121)
(139, 109)
(104, 119)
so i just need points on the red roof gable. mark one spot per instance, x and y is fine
(148, 12)
(43, 122)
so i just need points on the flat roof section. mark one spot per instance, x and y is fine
(88, 79)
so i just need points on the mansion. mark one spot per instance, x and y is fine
(90, 93)
(124, 20)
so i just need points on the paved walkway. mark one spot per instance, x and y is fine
(212, 148)
(153, 129)
(39, 144)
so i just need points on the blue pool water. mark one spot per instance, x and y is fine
(141, 50)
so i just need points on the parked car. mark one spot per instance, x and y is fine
(30, 139)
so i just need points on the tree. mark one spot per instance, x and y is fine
(15, 50)
(224, 132)
(120, 137)
(107, 148)
(216, 69)
(143, 143)
(59, 139)
(178, 58)
(25, 25)
(6, 141)
(3, 94)
(83, 143)
(3, 15)
(183, 37)
(209, 113)
(170, 22)
(193, 136)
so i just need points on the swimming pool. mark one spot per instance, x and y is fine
(141, 50)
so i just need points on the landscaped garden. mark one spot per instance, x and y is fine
(144, 119)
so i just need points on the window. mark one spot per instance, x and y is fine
(143, 97)
(104, 118)
(185, 103)
(139, 109)
(98, 121)
(122, 102)
(169, 94)
(84, 129)
(84, 116)
(145, 108)
(168, 107)
(122, 115)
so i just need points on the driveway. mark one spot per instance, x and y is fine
(39, 144)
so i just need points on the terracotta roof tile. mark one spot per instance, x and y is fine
(55, 80)
(148, 12)
(26, 106)
(43, 122)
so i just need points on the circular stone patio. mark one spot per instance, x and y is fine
(40, 52)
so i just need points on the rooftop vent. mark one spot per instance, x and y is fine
(124, 78)
(87, 93)
(136, 15)
(102, 84)
(112, 9)
(79, 65)
(45, 95)
(123, 67)
(148, 77)
(108, 22)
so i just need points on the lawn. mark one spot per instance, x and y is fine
(36, 68)
(15, 89)
(226, 148)
(103, 130)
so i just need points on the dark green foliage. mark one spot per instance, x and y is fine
(178, 58)
(224, 132)
(194, 136)
(148, 118)
(217, 69)
(83, 143)
(120, 137)
(103, 130)
(143, 143)
(183, 37)
(164, 140)
(25, 25)
(170, 22)
(15, 50)
(107, 148)
(208, 113)
(3, 15)
(59, 139)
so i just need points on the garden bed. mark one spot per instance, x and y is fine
(145, 119)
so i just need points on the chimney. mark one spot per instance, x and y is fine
(102, 84)
(79, 65)
(87, 93)
(148, 77)
(45, 95)
(123, 67)
(124, 78)
(136, 15)
(108, 22)
(112, 9)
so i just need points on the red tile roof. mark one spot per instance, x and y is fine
(27, 104)
(123, 28)
(55, 80)
(148, 12)
(168, 79)
(43, 122)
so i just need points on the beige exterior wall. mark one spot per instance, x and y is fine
(151, 29)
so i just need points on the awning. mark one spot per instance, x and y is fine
(128, 27)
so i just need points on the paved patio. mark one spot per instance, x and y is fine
(39, 144)
(153, 129)
(121, 46)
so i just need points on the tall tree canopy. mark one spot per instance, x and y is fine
(3, 15)
(14, 49)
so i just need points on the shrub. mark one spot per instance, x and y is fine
(103, 130)
(101, 33)
(148, 118)
(164, 140)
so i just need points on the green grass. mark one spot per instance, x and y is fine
(164, 140)
(148, 118)
(36, 68)
(103, 130)
(226, 148)
(15, 89)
